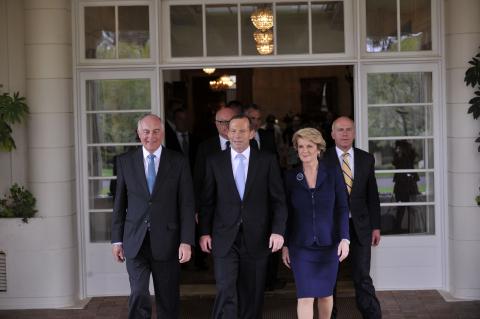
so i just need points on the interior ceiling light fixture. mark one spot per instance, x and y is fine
(225, 82)
(265, 49)
(209, 70)
(263, 37)
(262, 18)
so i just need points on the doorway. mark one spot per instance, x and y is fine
(288, 97)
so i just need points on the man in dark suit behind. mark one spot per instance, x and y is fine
(153, 220)
(264, 140)
(242, 220)
(364, 212)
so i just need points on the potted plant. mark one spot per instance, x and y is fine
(18, 202)
(472, 78)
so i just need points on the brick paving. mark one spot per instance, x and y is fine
(395, 305)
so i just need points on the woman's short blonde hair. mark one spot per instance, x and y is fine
(312, 135)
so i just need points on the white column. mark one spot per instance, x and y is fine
(44, 263)
(462, 40)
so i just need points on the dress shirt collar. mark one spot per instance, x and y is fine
(223, 142)
(340, 152)
(245, 153)
(157, 153)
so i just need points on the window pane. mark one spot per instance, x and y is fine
(327, 27)
(407, 87)
(186, 31)
(400, 121)
(381, 25)
(222, 30)
(405, 187)
(292, 28)
(133, 32)
(408, 220)
(248, 29)
(416, 25)
(100, 33)
(384, 151)
(112, 128)
(101, 159)
(100, 227)
(122, 94)
(100, 195)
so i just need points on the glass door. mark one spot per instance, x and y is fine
(111, 104)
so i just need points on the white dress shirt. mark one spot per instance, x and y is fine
(350, 160)
(235, 160)
(223, 143)
(156, 160)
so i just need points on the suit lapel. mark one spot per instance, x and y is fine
(163, 169)
(227, 168)
(252, 170)
(139, 168)
(357, 169)
(321, 174)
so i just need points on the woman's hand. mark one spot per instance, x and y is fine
(285, 256)
(343, 249)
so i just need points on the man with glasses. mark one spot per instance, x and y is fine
(208, 147)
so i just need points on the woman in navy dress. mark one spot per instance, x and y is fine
(317, 235)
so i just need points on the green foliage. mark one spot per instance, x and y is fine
(472, 78)
(13, 109)
(19, 203)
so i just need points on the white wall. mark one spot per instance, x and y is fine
(462, 39)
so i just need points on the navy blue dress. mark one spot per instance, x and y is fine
(317, 221)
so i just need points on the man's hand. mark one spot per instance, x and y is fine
(276, 242)
(184, 253)
(375, 237)
(117, 252)
(206, 243)
(343, 249)
(285, 256)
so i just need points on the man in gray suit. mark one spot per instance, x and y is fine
(153, 220)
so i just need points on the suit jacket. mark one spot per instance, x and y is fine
(267, 141)
(316, 217)
(172, 142)
(363, 200)
(262, 211)
(206, 148)
(169, 209)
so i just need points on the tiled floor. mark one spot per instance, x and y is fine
(278, 305)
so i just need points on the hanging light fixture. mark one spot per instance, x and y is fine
(209, 70)
(264, 49)
(262, 18)
(263, 37)
(225, 82)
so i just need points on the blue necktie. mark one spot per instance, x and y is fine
(151, 172)
(240, 175)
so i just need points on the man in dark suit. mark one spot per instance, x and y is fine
(182, 140)
(242, 220)
(153, 220)
(264, 139)
(359, 175)
(214, 144)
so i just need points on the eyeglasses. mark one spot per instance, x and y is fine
(222, 122)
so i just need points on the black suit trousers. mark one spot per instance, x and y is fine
(166, 277)
(240, 281)
(360, 256)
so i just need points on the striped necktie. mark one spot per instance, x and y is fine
(347, 172)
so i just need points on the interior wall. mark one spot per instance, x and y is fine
(278, 91)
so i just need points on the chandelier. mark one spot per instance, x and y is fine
(263, 37)
(225, 82)
(264, 49)
(209, 70)
(262, 18)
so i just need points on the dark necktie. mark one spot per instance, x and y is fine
(185, 144)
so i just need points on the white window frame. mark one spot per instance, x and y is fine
(435, 18)
(82, 60)
(349, 35)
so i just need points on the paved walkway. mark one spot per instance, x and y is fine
(278, 305)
